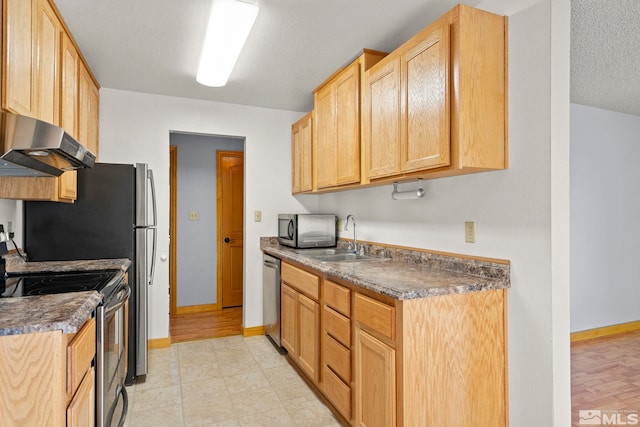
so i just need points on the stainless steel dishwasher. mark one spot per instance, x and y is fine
(271, 298)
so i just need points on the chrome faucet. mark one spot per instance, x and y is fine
(346, 228)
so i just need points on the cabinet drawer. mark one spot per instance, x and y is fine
(377, 316)
(300, 280)
(337, 357)
(338, 326)
(80, 353)
(337, 297)
(337, 392)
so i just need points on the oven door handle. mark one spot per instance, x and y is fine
(122, 299)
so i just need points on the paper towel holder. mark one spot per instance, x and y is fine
(418, 193)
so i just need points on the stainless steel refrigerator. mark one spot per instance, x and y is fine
(114, 216)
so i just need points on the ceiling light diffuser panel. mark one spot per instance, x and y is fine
(230, 22)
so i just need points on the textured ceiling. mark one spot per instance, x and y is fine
(154, 47)
(605, 54)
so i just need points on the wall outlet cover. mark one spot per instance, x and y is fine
(470, 232)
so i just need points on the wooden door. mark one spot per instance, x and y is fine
(309, 328)
(69, 87)
(375, 380)
(81, 410)
(88, 114)
(347, 155)
(425, 110)
(382, 119)
(288, 322)
(325, 137)
(230, 225)
(301, 155)
(18, 58)
(48, 33)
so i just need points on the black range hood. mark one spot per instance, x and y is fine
(31, 147)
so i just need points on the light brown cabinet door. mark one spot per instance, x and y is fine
(69, 86)
(18, 82)
(381, 119)
(288, 322)
(425, 110)
(301, 134)
(325, 137)
(309, 334)
(88, 114)
(47, 50)
(375, 382)
(81, 410)
(347, 155)
(68, 186)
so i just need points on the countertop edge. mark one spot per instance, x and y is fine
(473, 282)
(82, 306)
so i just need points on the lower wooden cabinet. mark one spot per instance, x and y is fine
(381, 362)
(47, 378)
(375, 364)
(81, 412)
(300, 319)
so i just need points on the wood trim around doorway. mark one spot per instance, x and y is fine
(173, 239)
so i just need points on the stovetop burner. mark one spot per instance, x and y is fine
(56, 283)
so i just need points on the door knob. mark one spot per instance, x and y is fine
(227, 240)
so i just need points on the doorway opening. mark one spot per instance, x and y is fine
(203, 303)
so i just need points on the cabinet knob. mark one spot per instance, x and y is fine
(227, 240)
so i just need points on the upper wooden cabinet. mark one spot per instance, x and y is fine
(18, 56)
(88, 114)
(436, 106)
(44, 76)
(336, 152)
(69, 81)
(301, 158)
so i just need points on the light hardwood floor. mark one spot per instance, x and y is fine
(211, 324)
(605, 375)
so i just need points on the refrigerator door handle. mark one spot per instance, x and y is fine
(153, 226)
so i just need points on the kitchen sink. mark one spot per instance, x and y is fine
(322, 251)
(346, 257)
(336, 255)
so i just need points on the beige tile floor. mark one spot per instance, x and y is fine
(231, 381)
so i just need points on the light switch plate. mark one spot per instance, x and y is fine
(257, 216)
(194, 216)
(470, 232)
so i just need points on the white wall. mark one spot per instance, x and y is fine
(605, 202)
(514, 211)
(134, 127)
(11, 210)
(521, 214)
(197, 248)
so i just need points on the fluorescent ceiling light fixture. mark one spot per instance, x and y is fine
(230, 22)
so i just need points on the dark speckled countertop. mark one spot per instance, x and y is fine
(407, 274)
(66, 312)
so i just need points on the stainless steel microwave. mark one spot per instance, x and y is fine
(307, 230)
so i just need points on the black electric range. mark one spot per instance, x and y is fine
(21, 285)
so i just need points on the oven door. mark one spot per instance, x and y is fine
(111, 360)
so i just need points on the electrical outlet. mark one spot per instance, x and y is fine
(257, 216)
(340, 224)
(470, 232)
(194, 216)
